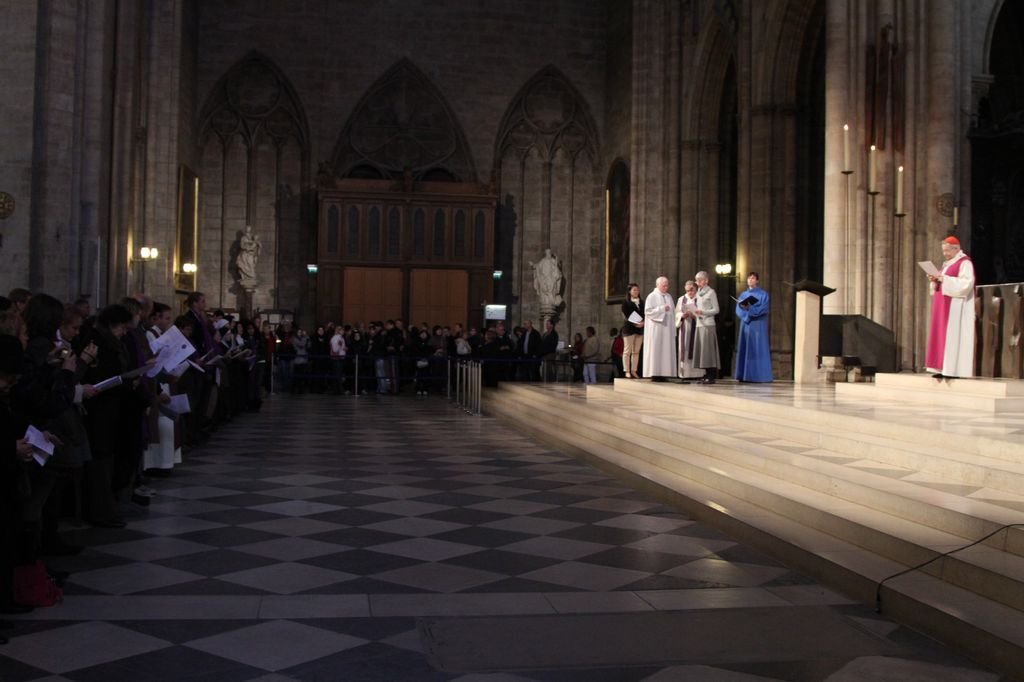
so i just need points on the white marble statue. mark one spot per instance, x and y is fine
(547, 281)
(249, 248)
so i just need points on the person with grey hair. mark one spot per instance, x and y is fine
(705, 342)
(660, 333)
(686, 323)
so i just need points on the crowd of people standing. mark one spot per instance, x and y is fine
(93, 406)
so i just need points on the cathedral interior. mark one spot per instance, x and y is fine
(344, 161)
(411, 159)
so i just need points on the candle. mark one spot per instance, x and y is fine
(871, 171)
(846, 148)
(899, 191)
(956, 216)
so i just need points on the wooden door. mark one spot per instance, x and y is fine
(438, 296)
(371, 294)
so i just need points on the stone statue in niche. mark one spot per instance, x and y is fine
(547, 282)
(249, 248)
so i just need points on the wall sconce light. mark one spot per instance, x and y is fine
(497, 275)
(312, 268)
(149, 253)
(189, 268)
(723, 269)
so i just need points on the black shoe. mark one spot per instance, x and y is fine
(15, 609)
(140, 500)
(114, 522)
(57, 547)
(159, 473)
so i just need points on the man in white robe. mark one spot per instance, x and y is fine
(660, 333)
(951, 332)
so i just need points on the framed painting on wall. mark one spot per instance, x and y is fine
(616, 233)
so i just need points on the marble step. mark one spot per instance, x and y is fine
(925, 395)
(950, 463)
(978, 386)
(817, 484)
(805, 415)
(988, 631)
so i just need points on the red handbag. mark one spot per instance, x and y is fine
(33, 586)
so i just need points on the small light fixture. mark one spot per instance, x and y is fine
(723, 269)
(189, 268)
(497, 275)
(312, 268)
(149, 253)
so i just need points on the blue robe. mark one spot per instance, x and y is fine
(753, 356)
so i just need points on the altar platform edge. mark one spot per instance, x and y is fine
(847, 489)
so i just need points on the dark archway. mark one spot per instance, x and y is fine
(728, 199)
(810, 152)
(997, 153)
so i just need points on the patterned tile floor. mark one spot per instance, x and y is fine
(312, 541)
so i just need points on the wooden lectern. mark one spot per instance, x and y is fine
(808, 329)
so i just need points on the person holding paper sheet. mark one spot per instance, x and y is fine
(103, 416)
(686, 323)
(632, 330)
(753, 356)
(950, 351)
(660, 333)
(162, 454)
(705, 343)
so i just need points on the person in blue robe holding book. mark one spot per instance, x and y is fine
(753, 356)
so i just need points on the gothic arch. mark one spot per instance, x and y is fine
(546, 156)
(254, 99)
(990, 33)
(548, 114)
(715, 50)
(404, 122)
(777, 78)
(253, 170)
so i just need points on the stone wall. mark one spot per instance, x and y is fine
(18, 73)
(478, 56)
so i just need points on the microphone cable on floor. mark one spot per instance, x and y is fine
(878, 588)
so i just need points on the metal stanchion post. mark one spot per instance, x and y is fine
(478, 388)
(273, 367)
(355, 390)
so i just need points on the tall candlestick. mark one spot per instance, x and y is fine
(871, 171)
(956, 216)
(899, 191)
(846, 148)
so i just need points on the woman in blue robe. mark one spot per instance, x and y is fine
(753, 356)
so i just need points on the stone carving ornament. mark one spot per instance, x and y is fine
(548, 115)
(403, 123)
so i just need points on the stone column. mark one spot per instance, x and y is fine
(940, 116)
(841, 108)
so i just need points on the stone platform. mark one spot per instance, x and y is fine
(1003, 396)
(851, 487)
